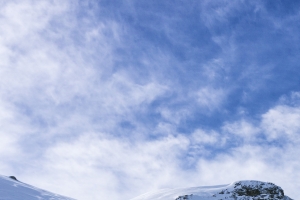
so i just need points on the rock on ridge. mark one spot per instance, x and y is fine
(247, 190)
(240, 190)
(12, 189)
(253, 190)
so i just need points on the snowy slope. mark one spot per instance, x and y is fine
(241, 190)
(11, 189)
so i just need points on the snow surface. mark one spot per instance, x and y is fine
(11, 189)
(219, 192)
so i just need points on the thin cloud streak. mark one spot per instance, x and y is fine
(114, 104)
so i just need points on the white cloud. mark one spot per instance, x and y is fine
(243, 129)
(48, 73)
(96, 166)
(19, 19)
(53, 89)
(275, 165)
(211, 98)
(11, 127)
(202, 137)
(174, 116)
(282, 122)
(34, 63)
(60, 91)
(124, 94)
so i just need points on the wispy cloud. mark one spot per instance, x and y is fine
(115, 101)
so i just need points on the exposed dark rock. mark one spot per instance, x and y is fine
(257, 189)
(13, 177)
(254, 190)
(184, 197)
(246, 190)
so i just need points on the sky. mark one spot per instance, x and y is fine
(108, 99)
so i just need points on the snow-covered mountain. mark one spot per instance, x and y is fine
(12, 189)
(241, 190)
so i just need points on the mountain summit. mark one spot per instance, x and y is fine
(240, 190)
(12, 189)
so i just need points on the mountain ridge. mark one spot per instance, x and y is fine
(239, 190)
(13, 189)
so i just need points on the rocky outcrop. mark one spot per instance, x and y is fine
(240, 190)
(254, 190)
(13, 177)
(245, 190)
(184, 197)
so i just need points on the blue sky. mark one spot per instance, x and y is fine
(111, 99)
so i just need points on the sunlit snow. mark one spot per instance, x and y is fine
(11, 189)
(241, 190)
